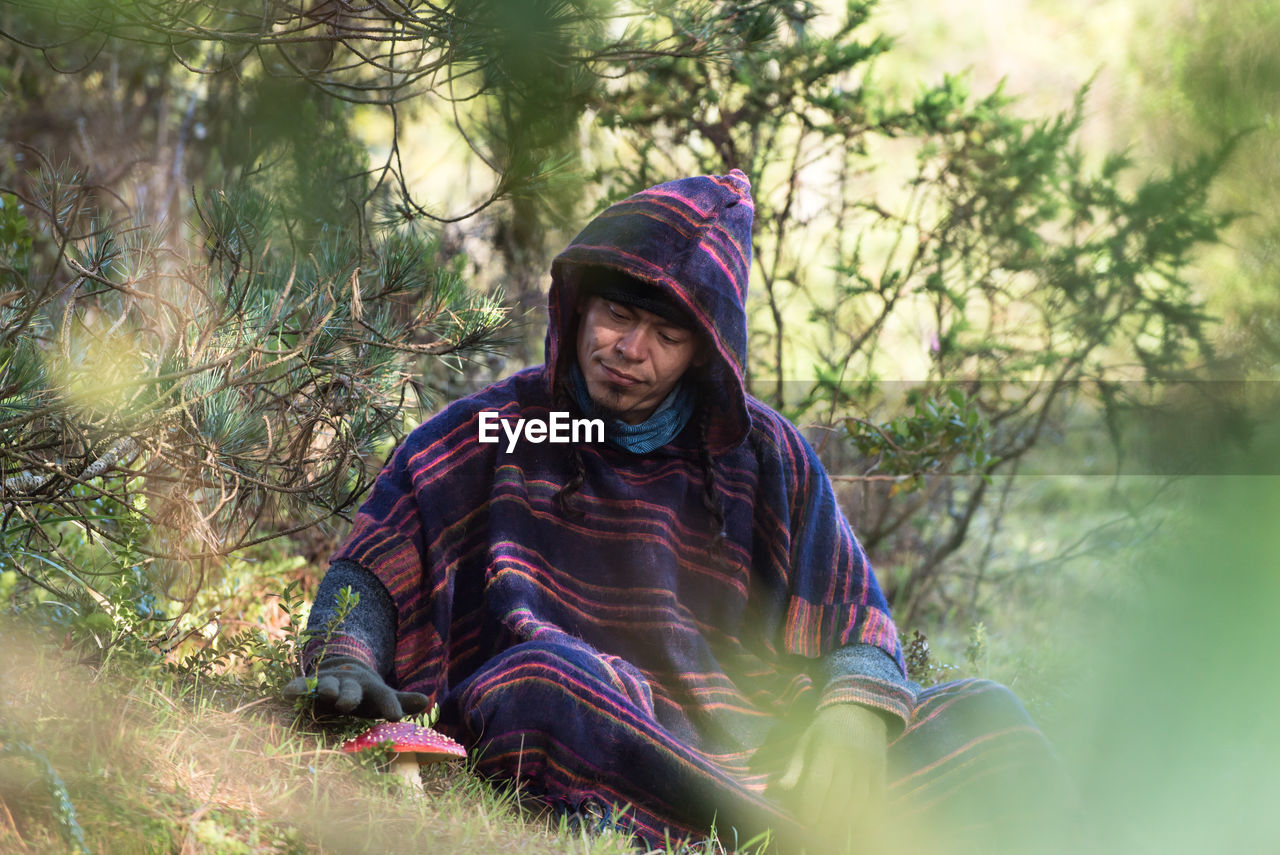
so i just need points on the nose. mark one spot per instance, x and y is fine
(632, 345)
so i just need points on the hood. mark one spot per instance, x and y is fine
(691, 239)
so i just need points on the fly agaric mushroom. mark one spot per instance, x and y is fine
(412, 745)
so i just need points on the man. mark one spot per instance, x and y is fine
(674, 622)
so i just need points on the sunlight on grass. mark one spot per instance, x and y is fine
(147, 773)
(1148, 665)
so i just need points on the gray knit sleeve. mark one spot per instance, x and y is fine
(864, 674)
(865, 660)
(372, 623)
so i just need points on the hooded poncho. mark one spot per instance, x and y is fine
(621, 653)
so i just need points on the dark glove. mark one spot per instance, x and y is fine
(835, 780)
(347, 686)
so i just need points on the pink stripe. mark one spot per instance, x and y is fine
(634, 206)
(964, 749)
(655, 192)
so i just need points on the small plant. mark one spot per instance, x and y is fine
(941, 434)
(922, 667)
(917, 656)
(318, 640)
(64, 812)
(977, 654)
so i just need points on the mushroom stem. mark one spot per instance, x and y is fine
(412, 744)
(404, 765)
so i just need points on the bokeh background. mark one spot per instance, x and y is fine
(1015, 275)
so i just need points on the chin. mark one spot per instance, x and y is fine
(616, 406)
(606, 402)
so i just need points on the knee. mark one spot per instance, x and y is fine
(543, 681)
(530, 670)
(982, 704)
(996, 702)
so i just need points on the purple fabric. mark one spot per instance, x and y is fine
(684, 656)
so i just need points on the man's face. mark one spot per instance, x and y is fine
(631, 358)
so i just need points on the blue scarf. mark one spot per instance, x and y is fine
(654, 432)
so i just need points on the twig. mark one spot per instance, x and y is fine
(28, 482)
(14, 825)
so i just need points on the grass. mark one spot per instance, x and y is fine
(153, 766)
(211, 761)
(204, 756)
(155, 760)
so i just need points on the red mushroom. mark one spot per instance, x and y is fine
(412, 745)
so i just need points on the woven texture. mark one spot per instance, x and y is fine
(620, 656)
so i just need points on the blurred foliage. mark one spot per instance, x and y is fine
(1023, 276)
(218, 366)
(213, 309)
(256, 84)
(1211, 74)
(1159, 730)
(64, 811)
(173, 406)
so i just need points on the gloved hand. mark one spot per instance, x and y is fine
(348, 686)
(835, 780)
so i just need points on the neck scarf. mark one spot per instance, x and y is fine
(654, 432)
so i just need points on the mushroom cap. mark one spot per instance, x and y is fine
(407, 736)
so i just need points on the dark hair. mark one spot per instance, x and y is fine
(711, 498)
(561, 400)
(626, 289)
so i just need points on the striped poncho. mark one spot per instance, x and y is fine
(621, 653)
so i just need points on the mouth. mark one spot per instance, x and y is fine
(618, 377)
